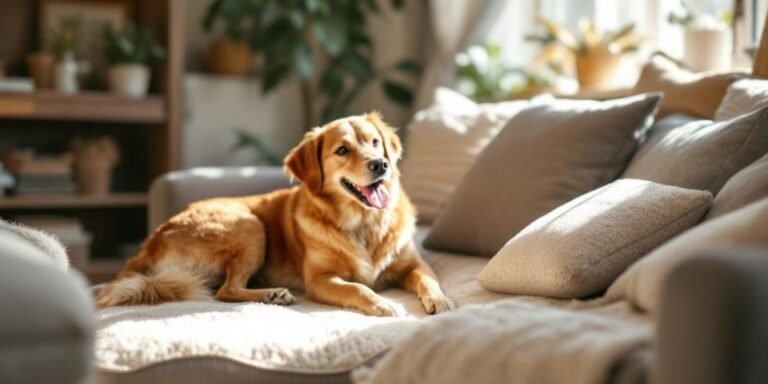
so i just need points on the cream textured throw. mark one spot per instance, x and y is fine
(512, 341)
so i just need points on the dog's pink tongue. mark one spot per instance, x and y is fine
(377, 196)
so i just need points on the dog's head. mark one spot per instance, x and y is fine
(354, 158)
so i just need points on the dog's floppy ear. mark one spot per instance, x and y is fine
(393, 149)
(305, 161)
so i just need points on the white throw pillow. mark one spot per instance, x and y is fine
(641, 284)
(443, 141)
(743, 96)
(578, 249)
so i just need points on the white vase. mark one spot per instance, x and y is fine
(130, 80)
(708, 48)
(65, 74)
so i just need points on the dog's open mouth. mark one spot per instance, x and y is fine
(373, 195)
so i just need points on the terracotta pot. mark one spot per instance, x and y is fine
(130, 80)
(226, 57)
(40, 65)
(94, 178)
(597, 68)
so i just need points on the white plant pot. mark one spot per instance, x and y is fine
(708, 48)
(130, 80)
(65, 74)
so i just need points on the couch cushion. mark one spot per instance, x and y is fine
(701, 154)
(546, 155)
(745, 187)
(578, 249)
(743, 96)
(441, 144)
(641, 284)
(695, 94)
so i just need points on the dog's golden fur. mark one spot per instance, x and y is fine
(320, 237)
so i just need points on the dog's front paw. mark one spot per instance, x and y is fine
(436, 303)
(382, 309)
(280, 296)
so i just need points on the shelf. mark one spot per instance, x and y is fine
(74, 201)
(84, 106)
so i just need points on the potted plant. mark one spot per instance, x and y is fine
(129, 51)
(64, 42)
(232, 54)
(94, 160)
(595, 55)
(708, 43)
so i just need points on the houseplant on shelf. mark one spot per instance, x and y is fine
(231, 54)
(327, 46)
(64, 42)
(708, 42)
(94, 160)
(129, 51)
(593, 55)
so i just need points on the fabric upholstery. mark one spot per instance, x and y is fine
(695, 94)
(743, 96)
(701, 154)
(641, 284)
(747, 186)
(46, 327)
(578, 249)
(546, 155)
(441, 144)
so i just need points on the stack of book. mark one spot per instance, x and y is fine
(69, 231)
(36, 174)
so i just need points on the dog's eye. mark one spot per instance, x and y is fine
(342, 151)
(376, 142)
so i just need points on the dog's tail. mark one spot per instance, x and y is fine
(165, 285)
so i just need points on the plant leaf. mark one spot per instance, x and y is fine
(408, 66)
(397, 4)
(274, 73)
(331, 83)
(302, 60)
(398, 93)
(332, 34)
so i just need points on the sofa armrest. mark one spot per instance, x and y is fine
(172, 192)
(712, 320)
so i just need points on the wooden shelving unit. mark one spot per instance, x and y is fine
(85, 106)
(147, 129)
(43, 202)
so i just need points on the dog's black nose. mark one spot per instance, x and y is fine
(378, 166)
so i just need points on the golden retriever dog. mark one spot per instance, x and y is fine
(343, 233)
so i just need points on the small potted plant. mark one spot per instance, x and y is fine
(129, 51)
(596, 55)
(231, 54)
(64, 42)
(94, 160)
(708, 42)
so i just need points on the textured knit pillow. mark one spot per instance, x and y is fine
(641, 283)
(743, 96)
(744, 188)
(443, 141)
(695, 94)
(578, 249)
(701, 154)
(546, 155)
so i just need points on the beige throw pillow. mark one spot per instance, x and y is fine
(686, 92)
(744, 188)
(578, 249)
(546, 155)
(743, 96)
(701, 154)
(441, 144)
(641, 283)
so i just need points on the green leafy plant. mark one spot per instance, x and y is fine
(688, 17)
(324, 43)
(246, 140)
(67, 37)
(132, 45)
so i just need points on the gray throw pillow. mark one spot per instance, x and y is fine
(546, 155)
(701, 154)
(578, 249)
(744, 188)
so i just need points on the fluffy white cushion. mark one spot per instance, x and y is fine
(641, 284)
(743, 96)
(579, 248)
(443, 141)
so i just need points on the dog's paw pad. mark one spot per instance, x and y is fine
(434, 304)
(280, 296)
